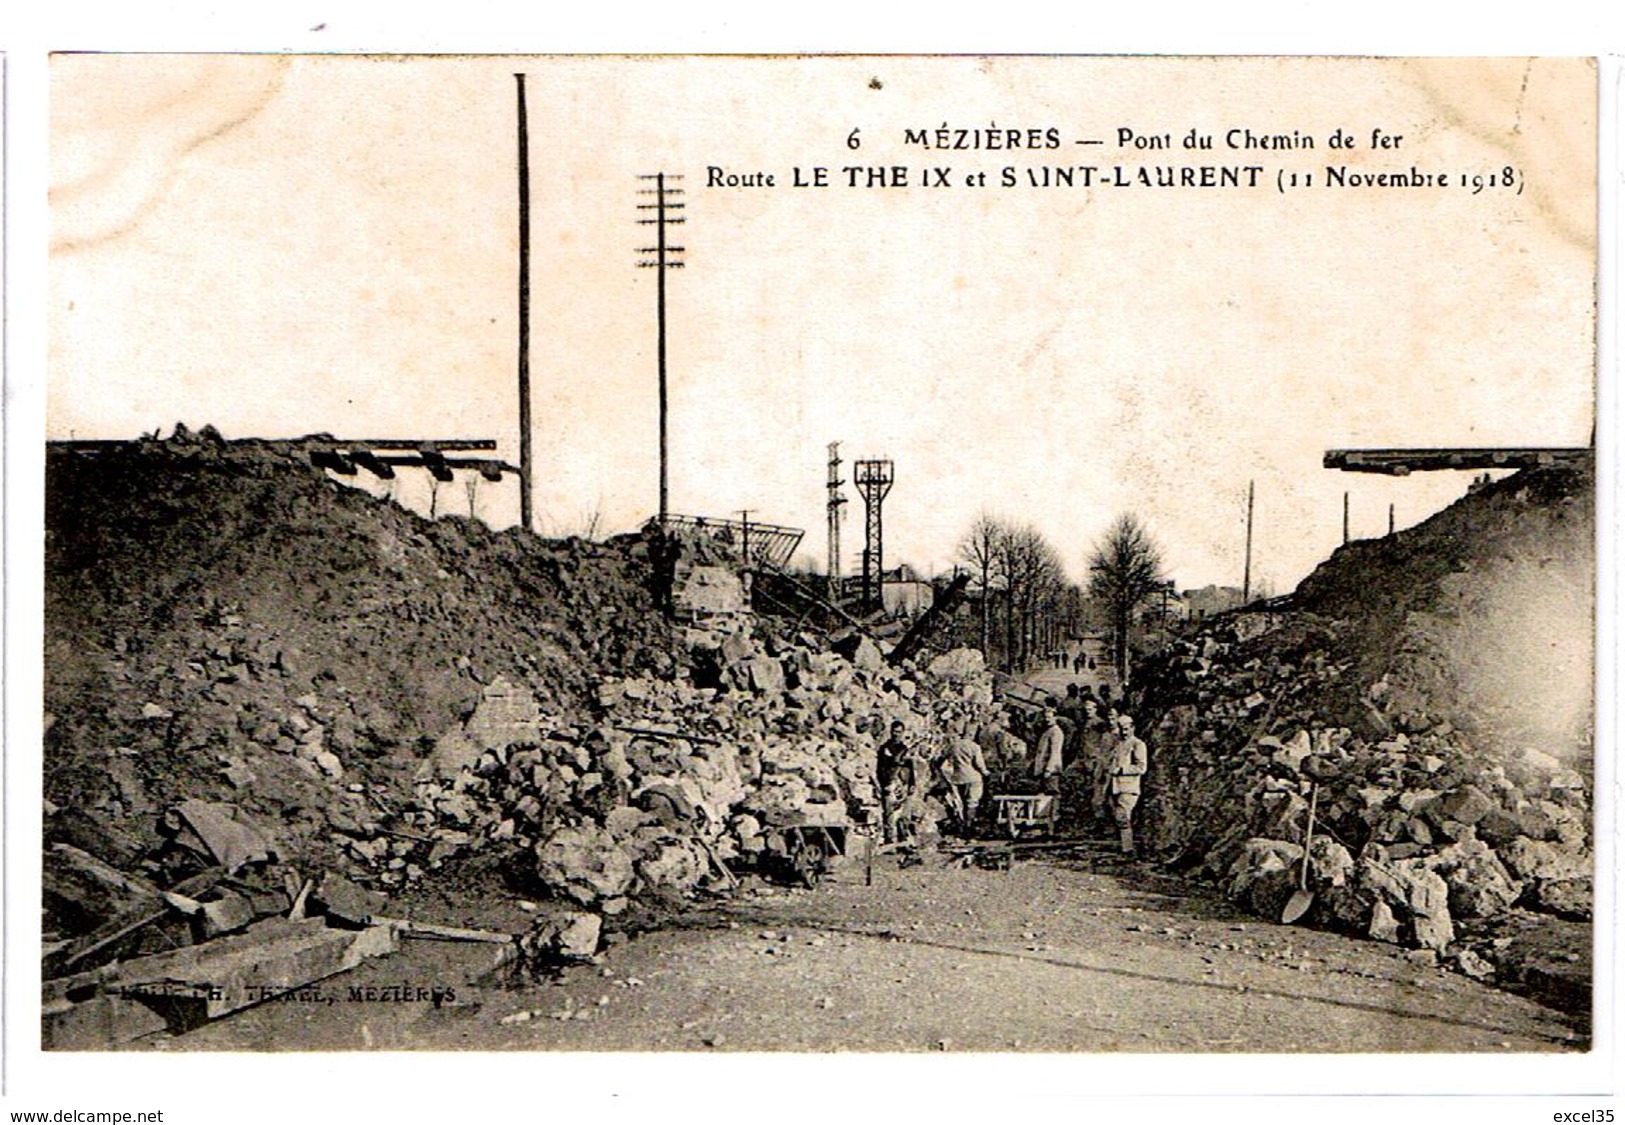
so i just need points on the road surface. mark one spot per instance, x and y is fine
(1088, 953)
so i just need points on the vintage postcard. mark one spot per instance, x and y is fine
(1003, 556)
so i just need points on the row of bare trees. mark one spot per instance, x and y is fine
(1021, 579)
(1014, 565)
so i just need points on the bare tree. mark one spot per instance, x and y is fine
(1124, 570)
(1012, 567)
(1040, 578)
(1032, 575)
(1017, 562)
(592, 525)
(979, 550)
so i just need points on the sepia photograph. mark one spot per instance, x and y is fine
(848, 554)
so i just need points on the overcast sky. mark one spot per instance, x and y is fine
(280, 246)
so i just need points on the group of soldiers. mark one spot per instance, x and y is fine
(1085, 753)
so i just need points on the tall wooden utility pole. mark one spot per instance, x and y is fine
(524, 309)
(833, 506)
(664, 259)
(1345, 519)
(1247, 564)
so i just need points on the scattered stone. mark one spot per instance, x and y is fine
(345, 900)
(958, 665)
(585, 864)
(238, 774)
(1538, 860)
(1474, 966)
(1428, 897)
(1466, 805)
(1480, 886)
(1383, 925)
(218, 831)
(1566, 898)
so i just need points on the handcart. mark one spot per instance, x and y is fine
(1031, 814)
(805, 847)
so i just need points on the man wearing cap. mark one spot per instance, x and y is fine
(894, 777)
(965, 770)
(1127, 767)
(1047, 756)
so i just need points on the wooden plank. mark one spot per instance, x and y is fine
(127, 923)
(278, 955)
(651, 732)
(410, 927)
(346, 900)
(79, 986)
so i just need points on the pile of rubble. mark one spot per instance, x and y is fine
(338, 705)
(223, 621)
(213, 919)
(1425, 816)
(673, 786)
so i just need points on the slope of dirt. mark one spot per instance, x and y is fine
(393, 699)
(1430, 692)
(1480, 616)
(207, 600)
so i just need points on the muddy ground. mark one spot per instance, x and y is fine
(1077, 953)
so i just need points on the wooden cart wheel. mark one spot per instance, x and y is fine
(806, 860)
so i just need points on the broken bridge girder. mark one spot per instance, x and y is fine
(756, 542)
(920, 632)
(814, 598)
(435, 462)
(439, 466)
(345, 456)
(333, 460)
(381, 459)
(1399, 462)
(375, 465)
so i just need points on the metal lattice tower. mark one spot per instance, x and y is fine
(874, 480)
(836, 501)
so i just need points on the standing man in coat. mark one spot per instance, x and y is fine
(965, 769)
(1047, 756)
(1127, 767)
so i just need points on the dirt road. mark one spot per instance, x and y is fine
(1079, 954)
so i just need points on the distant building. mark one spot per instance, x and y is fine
(903, 592)
(1210, 600)
(1165, 606)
